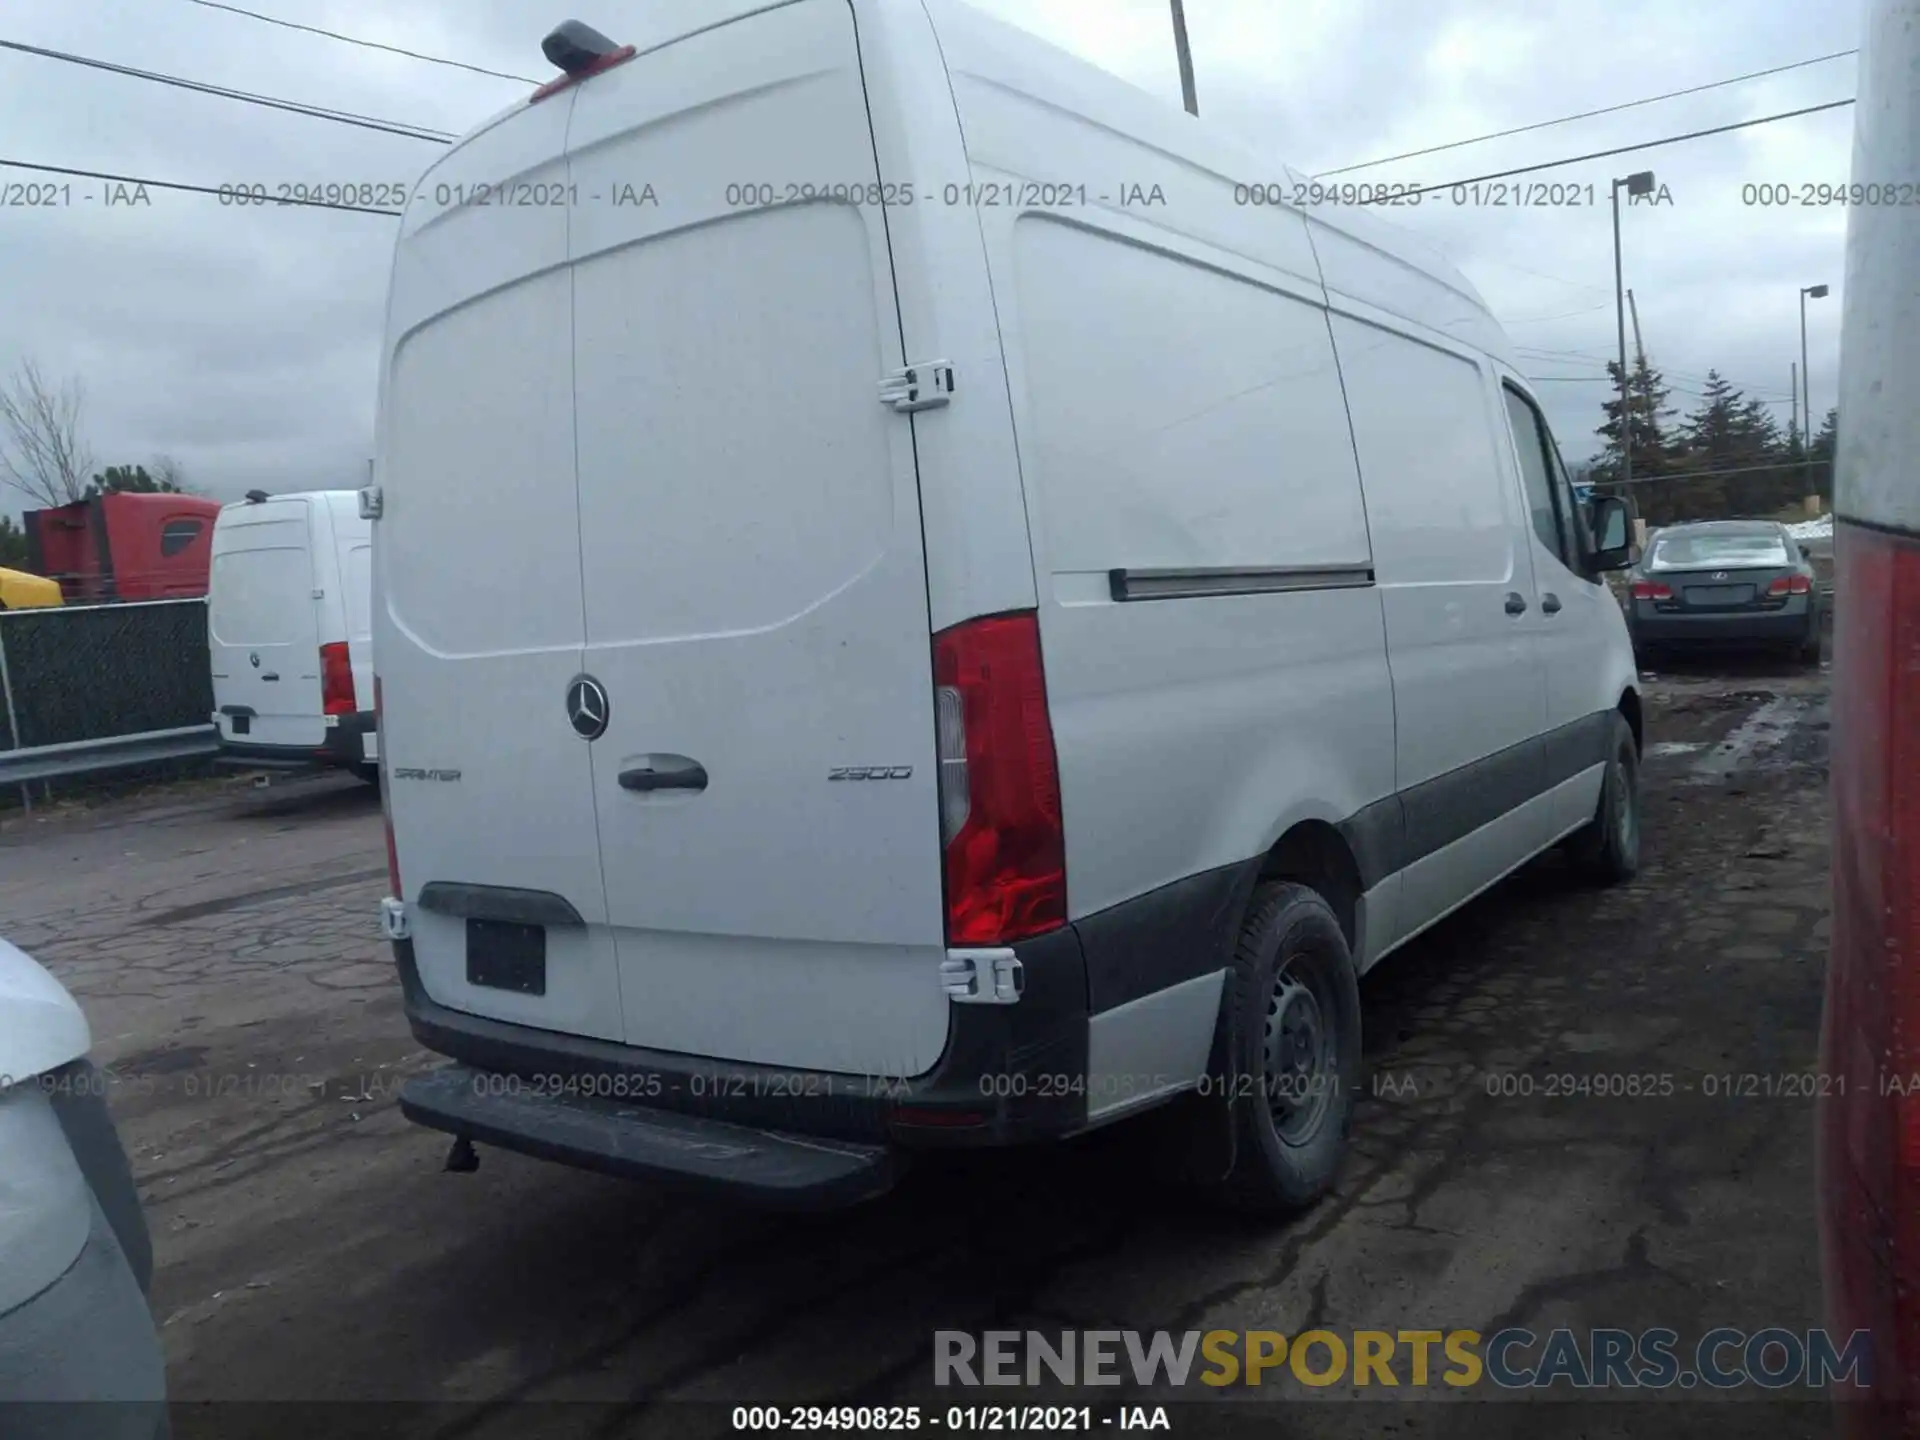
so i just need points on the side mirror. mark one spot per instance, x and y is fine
(1612, 532)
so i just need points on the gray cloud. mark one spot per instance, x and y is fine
(245, 341)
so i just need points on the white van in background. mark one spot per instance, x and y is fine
(288, 630)
(1025, 624)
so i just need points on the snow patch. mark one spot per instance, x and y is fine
(1821, 529)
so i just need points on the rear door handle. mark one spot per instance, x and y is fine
(665, 772)
(1550, 603)
(1516, 603)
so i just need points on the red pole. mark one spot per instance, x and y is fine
(1869, 1122)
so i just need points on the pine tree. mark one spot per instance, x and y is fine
(130, 480)
(1656, 448)
(1826, 446)
(13, 545)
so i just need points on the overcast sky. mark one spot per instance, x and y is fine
(245, 342)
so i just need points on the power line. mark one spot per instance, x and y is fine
(1781, 464)
(317, 112)
(1563, 315)
(1603, 154)
(1588, 114)
(369, 44)
(227, 190)
(1541, 274)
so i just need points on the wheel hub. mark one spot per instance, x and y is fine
(1299, 1058)
(1625, 817)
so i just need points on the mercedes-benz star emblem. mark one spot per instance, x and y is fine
(587, 707)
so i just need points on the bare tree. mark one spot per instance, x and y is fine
(42, 452)
(169, 474)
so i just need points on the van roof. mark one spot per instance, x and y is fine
(1065, 81)
(268, 497)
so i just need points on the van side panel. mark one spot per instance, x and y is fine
(352, 582)
(1178, 409)
(1225, 718)
(1452, 556)
(972, 508)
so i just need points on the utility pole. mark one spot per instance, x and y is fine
(1640, 359)
(1639, 183)
(1186, 58)
(1793, 429)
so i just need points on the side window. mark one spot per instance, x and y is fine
(177, 535)
(1572, 512)
(1530, 441)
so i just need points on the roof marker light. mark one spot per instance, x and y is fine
(581, 51)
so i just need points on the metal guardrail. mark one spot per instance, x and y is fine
(115, 752)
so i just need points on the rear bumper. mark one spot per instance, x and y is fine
(1795, 622)
(615, 1137)
(1007, 1075)
(345, 745)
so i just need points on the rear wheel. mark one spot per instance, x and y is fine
(1809, 651)
(1293, 1012)
(1607, 848)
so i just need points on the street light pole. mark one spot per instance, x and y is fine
(1818, 292)
(1186, 58)
(1637, 184)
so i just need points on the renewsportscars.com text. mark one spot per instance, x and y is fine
(1515, 1359)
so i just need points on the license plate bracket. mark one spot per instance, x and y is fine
(506, 955)
(1719, 597)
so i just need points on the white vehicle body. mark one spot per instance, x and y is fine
(1265, 481)
(289, 631)
(75, 1256)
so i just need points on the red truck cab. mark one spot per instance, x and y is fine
(124, 546)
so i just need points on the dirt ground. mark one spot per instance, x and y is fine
(309, 1247)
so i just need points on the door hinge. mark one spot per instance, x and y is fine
(925, 386)
(319, 594)
(370, 502)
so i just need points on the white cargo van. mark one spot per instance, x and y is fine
(1029, 610)
(289, 631)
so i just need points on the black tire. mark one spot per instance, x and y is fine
(1606, 849)
(1293, 1045)
(1809, 651)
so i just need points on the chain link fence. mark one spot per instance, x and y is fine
(90, 672)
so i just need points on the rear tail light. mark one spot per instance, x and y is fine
(1651, 590)
(386, 796)
(1000, 824)
(1790, 585)
(336, 680)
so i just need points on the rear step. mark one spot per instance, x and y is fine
(784, 1171)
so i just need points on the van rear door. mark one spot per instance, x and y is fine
(754, 575)
(263, 626)
(477, 613)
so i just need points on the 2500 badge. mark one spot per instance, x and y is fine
(870, 772)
